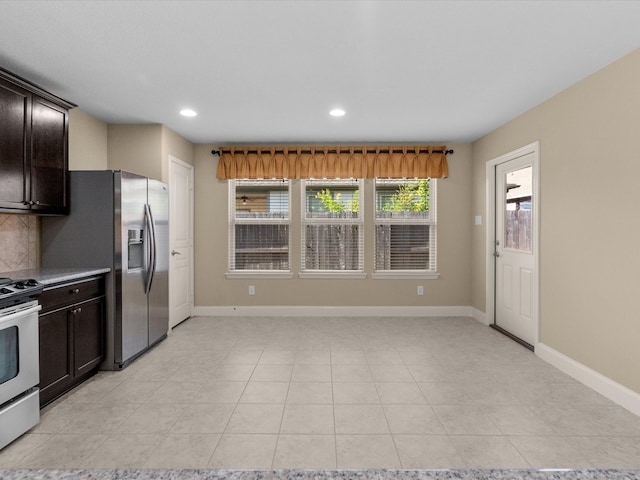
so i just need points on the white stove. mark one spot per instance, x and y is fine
(20, 291)
(19, 358)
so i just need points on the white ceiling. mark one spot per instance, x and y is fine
(270, 71)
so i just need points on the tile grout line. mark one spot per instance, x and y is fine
(384, 412)
(333, 411)
(284, 407)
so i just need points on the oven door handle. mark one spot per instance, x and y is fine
(8, 318)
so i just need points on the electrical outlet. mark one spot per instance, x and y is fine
(252, 289)
(420, 290)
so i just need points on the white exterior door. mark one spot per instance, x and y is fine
(514, 249)
(181, 226)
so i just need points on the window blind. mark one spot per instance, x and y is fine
(405, 225)
(259, 225)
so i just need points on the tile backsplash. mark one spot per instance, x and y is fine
(19, 236)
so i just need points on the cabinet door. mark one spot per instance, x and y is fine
(88, 335)
(56, 372)
(15, 124)
(49, 124)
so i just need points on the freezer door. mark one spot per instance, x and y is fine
(132, 327)
(158, 198)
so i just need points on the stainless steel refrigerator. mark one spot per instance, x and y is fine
(118, 220)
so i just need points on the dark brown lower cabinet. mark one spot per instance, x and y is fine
(55, 355)
(72, 331)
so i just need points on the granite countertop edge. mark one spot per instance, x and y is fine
(374, 474)
(52, 276)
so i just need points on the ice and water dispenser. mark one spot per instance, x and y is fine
(136, 249)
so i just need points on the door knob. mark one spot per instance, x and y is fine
(174, 253)
(496, 254)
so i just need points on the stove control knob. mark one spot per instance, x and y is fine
(31, 283)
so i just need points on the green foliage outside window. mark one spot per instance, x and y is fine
(334, 204)
(409, 197)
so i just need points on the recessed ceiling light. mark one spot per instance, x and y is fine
(337, 112)
(188, 113)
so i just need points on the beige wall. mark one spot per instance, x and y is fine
(136, 149)
(87, 142)
(453, 288)
(177, 146)
(590, 224)
(145, 148)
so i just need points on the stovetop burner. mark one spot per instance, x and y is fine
(19, 291)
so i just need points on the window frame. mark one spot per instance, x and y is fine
(305, 221)
(367, 222)
(233, 220)
(431, 221)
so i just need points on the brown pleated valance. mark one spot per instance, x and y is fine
(333, 162)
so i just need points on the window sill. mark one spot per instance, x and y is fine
(405, 275)
(258, 274)
(336, 275)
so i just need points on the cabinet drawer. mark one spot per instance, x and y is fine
(71, 293)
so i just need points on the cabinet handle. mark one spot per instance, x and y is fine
(75, 290)
(75, 311)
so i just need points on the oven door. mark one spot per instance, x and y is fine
(19, 358)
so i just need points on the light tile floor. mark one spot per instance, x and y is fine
(331, 393)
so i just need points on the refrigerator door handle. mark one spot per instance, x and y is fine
(154, 249)
(151, 242)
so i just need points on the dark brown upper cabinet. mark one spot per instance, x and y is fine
(34, 133)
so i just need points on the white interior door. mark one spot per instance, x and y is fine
(515, 252)
(181, 226)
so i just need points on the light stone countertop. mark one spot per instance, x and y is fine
(471, 474)
(51, 276)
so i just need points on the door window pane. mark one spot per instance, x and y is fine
(518, 209)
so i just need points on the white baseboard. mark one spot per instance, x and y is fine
(322, 311)
(478, 315)
(614, 391)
